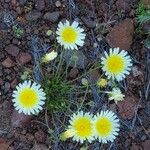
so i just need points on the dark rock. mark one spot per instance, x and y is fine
(20, 120)
(40, 136)
(8, 77)
(40, 5)
(24, 58)
(7, 71)
(121, 35)
(94, 75)
(39, 147)
(6, 87)
(19, 10)
(146, 26)
(34, 15)
(8, 62)
(5, 113)
(73, 73)
(12, 50)
(7, 1)
(53, 17)
(16, 41)
(22, 2)
(75, 59)
(90, 23)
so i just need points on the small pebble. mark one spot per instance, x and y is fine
(58, 3)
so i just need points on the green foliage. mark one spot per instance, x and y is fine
(143, 14)
(56, 90)
(147, 42)
(26, 75)
(18, 31)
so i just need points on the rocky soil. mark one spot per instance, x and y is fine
(106, 22)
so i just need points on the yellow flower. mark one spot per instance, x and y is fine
(70, 36)
(67, 134)
(28, 98)
(106, 126)
(49, 56)
(81, 127)
(116, 95)
(116, 65)
(102, 82)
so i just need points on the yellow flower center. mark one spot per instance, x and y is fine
(83, 127)
(115, 64)
(102, 82)
(28, 97)
(69, 35)
(103, 126)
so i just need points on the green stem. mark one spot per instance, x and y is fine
(84, 74)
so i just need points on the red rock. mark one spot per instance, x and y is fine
(1, 81)
(135, 81)
(127, 107)
(146, 145)
(121, 35)
(40, 136)
(8, 62)
(14, 2)
(12, 50)
(24, 58)
(4, 144)
(13, 83)
(136, 147)
(29, 137)
(20, 120)
(123, 5)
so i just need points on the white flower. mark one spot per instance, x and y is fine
(116, 65)
(106, 126)
(70, 36)
(49, 56)
(81, 127)
(116, 95)
(28, 98)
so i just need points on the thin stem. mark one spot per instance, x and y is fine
(84, 74)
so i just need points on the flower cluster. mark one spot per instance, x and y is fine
(104, 126)
(116, 64)
(29, 97)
